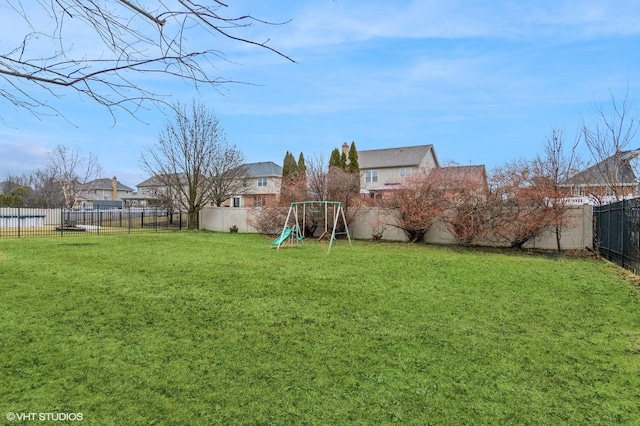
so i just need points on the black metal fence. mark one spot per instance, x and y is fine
(22, 222)
(617, 232)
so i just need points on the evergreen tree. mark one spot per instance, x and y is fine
(302, 174)
(353, 166)
(289, 165)
(285, 168)
(335, 160)
(294, 179)
(302, 167)
(343, 160)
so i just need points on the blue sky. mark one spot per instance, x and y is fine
(483, 81)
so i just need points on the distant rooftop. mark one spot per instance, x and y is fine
(597, 174)
(263, 169)
(106, 184)
(407, 156)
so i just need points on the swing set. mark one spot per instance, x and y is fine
(298, 211)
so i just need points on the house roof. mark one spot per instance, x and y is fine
(476, 173)
(106, 184)
(596, 175)
(406, 156)
(472, 177)
(263, 169)
(154, 181)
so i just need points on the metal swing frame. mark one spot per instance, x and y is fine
(338, 212)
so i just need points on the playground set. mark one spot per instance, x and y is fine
(296, 222)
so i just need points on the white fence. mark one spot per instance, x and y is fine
(366, 222)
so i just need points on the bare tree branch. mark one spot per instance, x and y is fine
(70, 168)
(131, 40)
(608, 142)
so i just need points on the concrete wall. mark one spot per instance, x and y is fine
(577, 236)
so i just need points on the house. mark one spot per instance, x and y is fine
(609, 180)
(253, 184)
(260, 185)
(469, 181)
(154, 192)
(384, 169)
(103, 193)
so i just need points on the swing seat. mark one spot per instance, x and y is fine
(297, 234)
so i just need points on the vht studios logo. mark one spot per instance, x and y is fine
(54, 417)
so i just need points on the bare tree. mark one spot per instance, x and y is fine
(229, 174)
(294, 188)
(12, 181)
(193, 159)
(609, 144)
(344, 186)
(416, 205)
(71, 169)
(464, 200)
(331, 183)
(47, 191)
(317, 178)
(268, 219)
(99, 49)
(15, 191)
(557, 164)
(518, 204)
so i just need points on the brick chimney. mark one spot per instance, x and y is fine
(114, 188)
(345, 148)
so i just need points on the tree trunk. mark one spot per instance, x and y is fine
(193, 219)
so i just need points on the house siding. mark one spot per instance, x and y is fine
(390, 161)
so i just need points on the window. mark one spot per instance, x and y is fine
(404, 172)
(259, 201)
(371, 176)
(262, 181)
(235, 201)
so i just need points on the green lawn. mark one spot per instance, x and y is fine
(212, 328)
